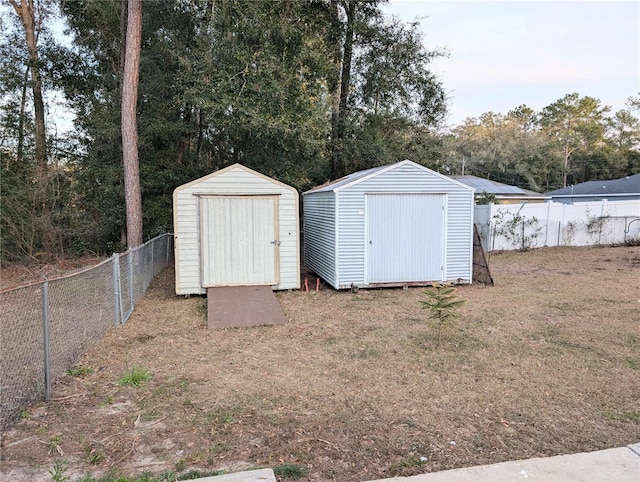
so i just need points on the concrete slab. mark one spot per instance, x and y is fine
(241, 306)
(619, 464)
(262, 475)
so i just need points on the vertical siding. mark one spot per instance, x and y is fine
(237, 235)
(404, 178)
(234, 180)
(320, 235)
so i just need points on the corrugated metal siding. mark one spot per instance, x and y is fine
(234, 180)
(405, 178)
(320, 235)
(459, 252)
(405, 241)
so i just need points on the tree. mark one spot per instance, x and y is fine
(443, 304)
(339, 114)
(132, 194)
(32, 23)
(225, 81)
(572, 123)
(32, 15)
(507, 149)
(387, 96)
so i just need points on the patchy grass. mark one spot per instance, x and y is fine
(134, 377)
(79, 371)
(290, 471)
(351, 388)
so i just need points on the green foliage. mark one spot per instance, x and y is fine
(135, 377)
(168, 476)
(443, 304)
(94, 455)
(632, 363)
(197, 474)
(521, 232)
(58, 472)
(79, 371)
(485, 198)
(290, 471)
(625, 416)
(411, 461)
(257, 83)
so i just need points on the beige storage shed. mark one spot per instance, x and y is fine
(235, 227)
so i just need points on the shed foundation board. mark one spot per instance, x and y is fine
(241, 306)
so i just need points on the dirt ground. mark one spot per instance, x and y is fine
(546, 362)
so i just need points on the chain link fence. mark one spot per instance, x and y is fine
(46, 326)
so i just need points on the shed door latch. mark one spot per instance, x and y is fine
(276, 242)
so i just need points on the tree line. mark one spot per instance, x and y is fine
(303, 91)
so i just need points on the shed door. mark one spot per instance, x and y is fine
(238, 240)
(406, 237)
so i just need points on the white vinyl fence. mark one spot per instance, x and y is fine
(46, 326)
(536, 225)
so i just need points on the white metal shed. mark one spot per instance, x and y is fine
(236, 227)
(400, 224)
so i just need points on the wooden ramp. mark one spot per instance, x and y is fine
(238, 306)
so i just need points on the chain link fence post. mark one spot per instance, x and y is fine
(116, 289)
(45, 340)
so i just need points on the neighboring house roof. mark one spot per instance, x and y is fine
(493, 187)
(358, 176)
(622, 186)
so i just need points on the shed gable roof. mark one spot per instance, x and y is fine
(360, 176)
(228, 169)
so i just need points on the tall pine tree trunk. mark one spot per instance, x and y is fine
(132, 194)
(339, 119)
(26, 10)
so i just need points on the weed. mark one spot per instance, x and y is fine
(135, 377)
(443, 303)
(411, 461)
(197, 474)
(79, 371)
(290, 471)
(94, 455)
(180, 465)
(633, 364)
(54, 445)
(219, 448)
(222, 417)
(623, 416)
(407, 465)
(23, 413)
(58, 471)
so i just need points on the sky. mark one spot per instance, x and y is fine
(503, 54)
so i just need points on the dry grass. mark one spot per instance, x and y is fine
(546, 362)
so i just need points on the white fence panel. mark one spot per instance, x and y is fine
(525, 226)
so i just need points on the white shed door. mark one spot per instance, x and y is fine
(238, 240)
(406, 236)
